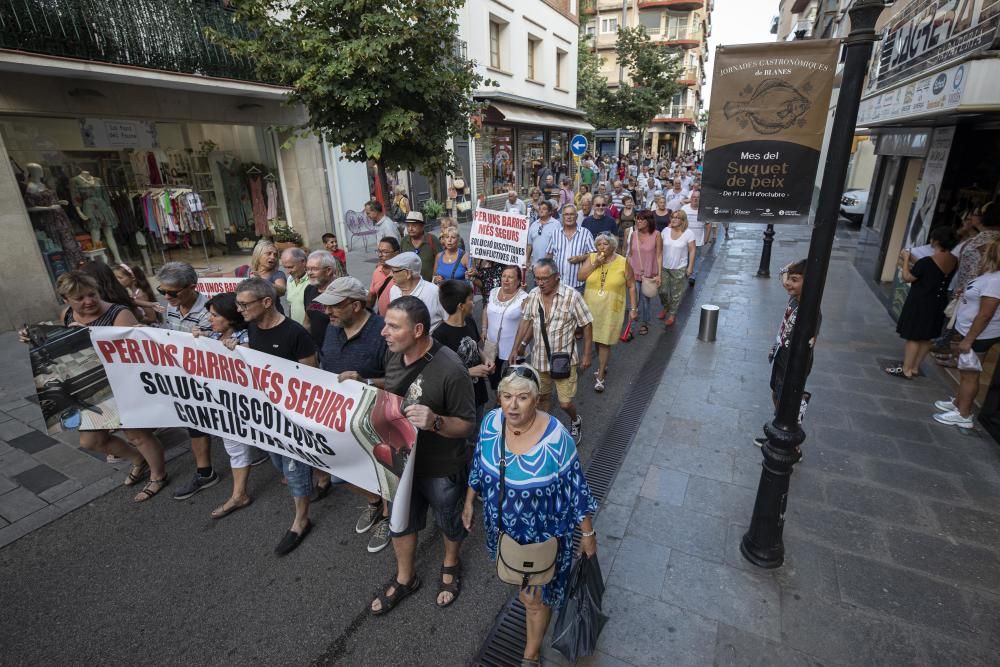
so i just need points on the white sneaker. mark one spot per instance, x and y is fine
(954, 418)
(946, 406)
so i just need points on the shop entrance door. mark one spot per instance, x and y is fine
(886, 199)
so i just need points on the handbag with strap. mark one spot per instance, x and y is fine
(560, 363)
(490, 350)
(521, 564)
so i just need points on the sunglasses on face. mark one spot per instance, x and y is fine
(172, 293)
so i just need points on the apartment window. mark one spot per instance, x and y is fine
(677, 25)
(609, 25)
(495, 30)
(560, 66)
(591, 27)
(651, 20)
(533, 48)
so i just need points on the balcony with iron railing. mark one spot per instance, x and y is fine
(676, 113)
(678, 5)
(688, 77)
(148, 34)
(685, 38)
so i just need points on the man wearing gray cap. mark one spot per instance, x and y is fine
(355, 349)
(408, 282)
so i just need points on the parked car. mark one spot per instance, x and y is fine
(853, 204)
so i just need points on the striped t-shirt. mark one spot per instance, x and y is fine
(562, 248)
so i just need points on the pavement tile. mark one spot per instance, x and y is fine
(737, 648)
(945, 558)
(831, 462)
(984, 493)
(88, 493)
(838, 633)
(28, 524)
(946, 651)
(719, 499)
(644, 632)
(60, 491)
(876, 502)
(904, 594)
(859, 442)
(841, 530)
(612, 519)
(75, 463)
(27, 413)
(15, 462)
(807, 483)
(891, 426)
(741, 598)
(919, 481)
(712, 463)
(19, 503)
(625, 488)
(13, 429)
(702, 411)
(968, 524)
(6, 484)
(666, 486)
(640, 566)
(600, 659)
(40, 478)
(679, 528)
(986, 618)
(950, 460)
(32, 442)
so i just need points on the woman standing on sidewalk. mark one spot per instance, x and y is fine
(679, 248)
(644, 250)
(86, 308)
(978, 322)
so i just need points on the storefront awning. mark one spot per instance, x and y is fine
(517, 114)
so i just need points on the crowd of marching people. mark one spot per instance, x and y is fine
(598, 260)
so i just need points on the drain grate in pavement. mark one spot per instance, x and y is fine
(504, 645)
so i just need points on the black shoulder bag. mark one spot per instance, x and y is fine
(560, 363)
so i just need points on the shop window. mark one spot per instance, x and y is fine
(531, 154)
(497, 34)
(497, 163)
(534, 47)
(560, 67)
(560, 161)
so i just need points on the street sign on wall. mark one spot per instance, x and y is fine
(765, 130)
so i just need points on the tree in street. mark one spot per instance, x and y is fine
(384, 81)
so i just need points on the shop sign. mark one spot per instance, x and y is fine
(117, 133)
(930, 33)
(765, 130)
(930, 94)
(499, 237)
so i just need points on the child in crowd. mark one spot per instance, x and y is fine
(330, 243)
(134, 280)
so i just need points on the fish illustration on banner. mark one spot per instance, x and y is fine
(765, 130)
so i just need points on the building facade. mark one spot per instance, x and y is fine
(529, 49)
(682, 24)
(796, 19)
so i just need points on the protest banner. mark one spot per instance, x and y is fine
(70, 382)
(765, 130)
(169, 378)
(212, 286)
(499, 237)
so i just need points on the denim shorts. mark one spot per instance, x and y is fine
(444, 495)
(298, 474)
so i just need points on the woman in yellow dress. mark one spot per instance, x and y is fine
(607, 276)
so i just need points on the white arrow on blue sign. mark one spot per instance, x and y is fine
(578, 145)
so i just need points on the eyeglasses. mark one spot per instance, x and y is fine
(243, 305)
(172, 293)
(542, 279)
(525, 372)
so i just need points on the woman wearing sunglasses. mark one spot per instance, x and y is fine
(540, 463)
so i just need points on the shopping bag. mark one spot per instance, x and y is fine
(969, 361)
(580, 620)
(627, 334)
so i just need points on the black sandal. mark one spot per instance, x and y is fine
(455, 587)
(897, 372)
(401, 592)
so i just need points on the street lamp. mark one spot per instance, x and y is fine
(762, 544)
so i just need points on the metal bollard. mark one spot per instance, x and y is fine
(709, 323)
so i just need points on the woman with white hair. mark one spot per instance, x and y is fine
(525, 452)
(607, 276)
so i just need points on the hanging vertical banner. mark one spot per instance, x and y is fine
(765, 130)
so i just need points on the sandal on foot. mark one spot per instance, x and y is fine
(643, 330)
(599, 385)
(152, 487)
(136, 473)
(222, 510)
(897, 372)
(400, 592)
(455, 587)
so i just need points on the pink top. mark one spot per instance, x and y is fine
(642, 246)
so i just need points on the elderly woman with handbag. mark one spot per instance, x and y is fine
(527, 455)
(644, 250)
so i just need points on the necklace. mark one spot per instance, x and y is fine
(604, 276)
(526, 428)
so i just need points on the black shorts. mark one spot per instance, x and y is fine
(444, 495)
(195, 433)
(983, 345)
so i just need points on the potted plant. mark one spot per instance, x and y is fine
(432, 210)
(285, 237)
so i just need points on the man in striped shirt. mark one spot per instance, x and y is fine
(570, 247)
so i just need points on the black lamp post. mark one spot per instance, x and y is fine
(762, 544)
(764, 268)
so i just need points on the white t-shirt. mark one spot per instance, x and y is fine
(539, 238)
(675, 252)
(987, 284)
(675, 199)
(386, 227)
(428, 293)
(698, 228)
(503, 320)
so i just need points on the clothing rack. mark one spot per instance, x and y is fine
(182, 189)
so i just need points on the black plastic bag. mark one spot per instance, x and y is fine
(580, 620)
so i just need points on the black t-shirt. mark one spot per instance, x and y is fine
(289, 340)
(443, 385)
(463, 341)
(318, 319)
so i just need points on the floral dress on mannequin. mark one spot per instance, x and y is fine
(93, 202)
(54, 223)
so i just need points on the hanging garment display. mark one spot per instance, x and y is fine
(259, 206)
(235, 192)
(272, 198)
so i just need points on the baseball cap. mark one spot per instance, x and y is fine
(405, 260)
(341, 289)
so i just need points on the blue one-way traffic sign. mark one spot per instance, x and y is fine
(578, 145)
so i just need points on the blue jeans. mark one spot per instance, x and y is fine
(298, 474)
(646, 305)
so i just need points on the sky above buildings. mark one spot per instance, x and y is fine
(738, 22)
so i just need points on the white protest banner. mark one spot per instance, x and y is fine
(499, 237)
(212, 286)
(168, 378)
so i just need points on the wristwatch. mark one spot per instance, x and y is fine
(438, 423)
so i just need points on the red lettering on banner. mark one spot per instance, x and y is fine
(106, 348)
(158, 354)
(315, 402)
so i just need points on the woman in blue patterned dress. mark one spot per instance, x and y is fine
(547, 494)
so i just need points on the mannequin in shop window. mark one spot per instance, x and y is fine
(95, 211)
(47, 215)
